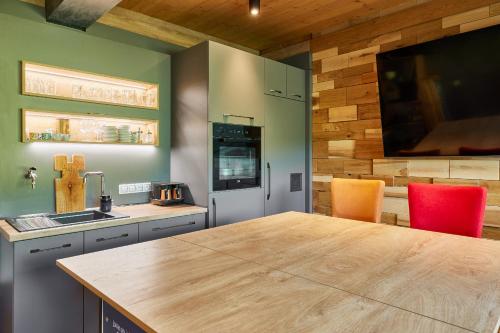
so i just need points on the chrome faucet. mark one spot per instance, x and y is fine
(95, 173)
(31, 174)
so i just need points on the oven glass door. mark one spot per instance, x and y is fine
(236, 164)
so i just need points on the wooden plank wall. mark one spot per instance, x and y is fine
(347, 137)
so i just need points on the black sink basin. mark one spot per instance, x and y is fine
(79, 217)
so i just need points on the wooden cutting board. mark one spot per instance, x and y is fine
(70, 189)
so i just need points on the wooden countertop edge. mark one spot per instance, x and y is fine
(12, 235)
(106, 299)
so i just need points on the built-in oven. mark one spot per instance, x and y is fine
(236, 157)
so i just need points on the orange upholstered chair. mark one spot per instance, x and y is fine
(357, 199)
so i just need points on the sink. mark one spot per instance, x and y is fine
(45, 221)
(80, 217)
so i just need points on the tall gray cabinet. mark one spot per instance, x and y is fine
(285, 138)
(214, 83)
(285, 154)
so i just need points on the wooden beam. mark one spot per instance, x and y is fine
(151, 27)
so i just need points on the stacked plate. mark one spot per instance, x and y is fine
(110, 134)
(124, 134)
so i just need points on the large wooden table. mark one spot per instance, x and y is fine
(297, 272)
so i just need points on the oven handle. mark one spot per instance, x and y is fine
(269, 180)
(237, 116)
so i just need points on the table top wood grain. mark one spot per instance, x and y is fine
(297, 272)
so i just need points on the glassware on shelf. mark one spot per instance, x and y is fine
(148, 138)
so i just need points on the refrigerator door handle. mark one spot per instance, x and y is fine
(214, 204)
(269, 180)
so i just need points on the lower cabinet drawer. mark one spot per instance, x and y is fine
(170, 227)
(108, 238)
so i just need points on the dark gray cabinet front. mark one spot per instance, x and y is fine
(99, 240)
(285, 156)
(108, 238)
(170, 227)
(227, 207)
(46, 299)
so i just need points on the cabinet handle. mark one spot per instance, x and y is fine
(276, 91)
(214, 204)
(102, 239)
(297, 95)
(269, 180)
(173, 226)
(237, 116)
(50, 248)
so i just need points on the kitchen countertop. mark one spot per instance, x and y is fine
(296, 272)
(138, 213)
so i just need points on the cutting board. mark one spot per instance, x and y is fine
(70, 189)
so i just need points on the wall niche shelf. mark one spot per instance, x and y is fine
(62, 127)
(60, 83)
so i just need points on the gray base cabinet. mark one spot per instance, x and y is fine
(229, 207)
(170, 227)
(99, 240)
(37, 296)
(46, 299)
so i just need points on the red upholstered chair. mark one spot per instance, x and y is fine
(450, 209)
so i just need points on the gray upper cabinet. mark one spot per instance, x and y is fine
(295, 83)
(275, 78)
(170, 227)
(46, 299)
(235, 86)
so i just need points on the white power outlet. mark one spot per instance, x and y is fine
(123, 189)
(134, 188)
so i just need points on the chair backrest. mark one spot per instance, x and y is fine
(357, 199)
(450, 209)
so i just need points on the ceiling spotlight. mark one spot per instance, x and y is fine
(254, 6)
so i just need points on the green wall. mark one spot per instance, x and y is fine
(24, 35)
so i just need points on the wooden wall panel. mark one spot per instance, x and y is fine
(347, 136)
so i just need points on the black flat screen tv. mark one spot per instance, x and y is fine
(442, 98)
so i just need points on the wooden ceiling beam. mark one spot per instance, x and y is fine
(151, 27)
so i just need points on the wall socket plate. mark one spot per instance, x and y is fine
(134, 188)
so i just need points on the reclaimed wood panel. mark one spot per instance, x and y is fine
(345, 61)
(466, 17)
(429, 168)
(475, 169)
(358, 167)
(343, 113)
(390, 167)
(362, 94)
(484, 23)
(404, 181)
(343, 148)
(332, 98)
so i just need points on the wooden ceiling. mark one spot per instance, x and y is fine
(280, 23)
